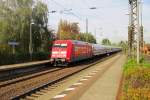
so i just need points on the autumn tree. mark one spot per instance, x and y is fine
(67, 30)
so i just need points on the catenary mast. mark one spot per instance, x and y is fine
(134, 29)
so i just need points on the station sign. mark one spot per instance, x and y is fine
(13, 43)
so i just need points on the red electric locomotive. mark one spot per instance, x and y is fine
(67, 51)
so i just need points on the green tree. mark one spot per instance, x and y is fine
(106, 42)
(88, 37)
(124, 45)
(15, 19)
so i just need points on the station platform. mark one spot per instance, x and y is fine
(22, 65)
(101, 83)
(106, 87)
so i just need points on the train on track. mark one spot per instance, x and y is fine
(68, 51)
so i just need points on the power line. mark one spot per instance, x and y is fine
(66, 10)
(58, 4)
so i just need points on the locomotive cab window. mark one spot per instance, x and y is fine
(60, 45)
(56, 45)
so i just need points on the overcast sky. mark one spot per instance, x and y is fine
(109, 20)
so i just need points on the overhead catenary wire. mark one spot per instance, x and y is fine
(66, 10)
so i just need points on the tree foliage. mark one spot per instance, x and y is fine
(88, 37)
(106, 42)
(124, 45)
(15, 20)
(67, 30)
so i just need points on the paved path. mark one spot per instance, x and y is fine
(106, 87)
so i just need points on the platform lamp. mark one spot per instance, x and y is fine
(30, 42)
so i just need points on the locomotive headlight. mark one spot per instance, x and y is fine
(63, 52)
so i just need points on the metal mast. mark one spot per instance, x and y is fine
(134, 28)
(141, 40)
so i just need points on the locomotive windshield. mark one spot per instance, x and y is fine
(60, 45)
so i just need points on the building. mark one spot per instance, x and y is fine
(146, 49)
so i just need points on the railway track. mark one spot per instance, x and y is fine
(30, 84)
(26, 77)
(12, 88)
(33, 95)
(9, 72)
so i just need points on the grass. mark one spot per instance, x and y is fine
(136, 80)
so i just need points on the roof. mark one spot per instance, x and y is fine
(73, 41)
(147, 45)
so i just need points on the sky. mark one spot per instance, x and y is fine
(108, 20)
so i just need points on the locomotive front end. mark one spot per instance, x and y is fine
(59, 54)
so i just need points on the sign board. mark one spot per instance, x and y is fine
(13, 43)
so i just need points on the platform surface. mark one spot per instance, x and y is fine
(106, 87)
(21, 65)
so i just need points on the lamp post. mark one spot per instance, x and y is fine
(138, 31)
(51, 12)
(95, 32)
(30, 42)
(92, 8)
(87, 23)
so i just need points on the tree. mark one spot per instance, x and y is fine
(15, 19)
(106, 42)
(41, 35)
(67, 30)
(87, 37)
(124, 45)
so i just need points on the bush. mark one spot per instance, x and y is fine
(136, 81)
(6, 58)
(40, 56)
